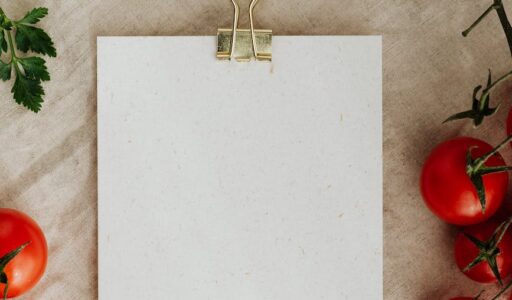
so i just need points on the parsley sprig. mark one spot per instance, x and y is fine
(30, 71)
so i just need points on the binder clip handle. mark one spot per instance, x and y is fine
(244, 44)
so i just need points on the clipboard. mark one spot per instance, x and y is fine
(239, 181)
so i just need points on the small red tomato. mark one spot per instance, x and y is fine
(448, 190)
(467, 251)
(28, 266)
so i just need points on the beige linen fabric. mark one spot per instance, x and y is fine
(48, 161)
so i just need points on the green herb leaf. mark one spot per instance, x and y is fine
(34, 16)
(5, 23)
(34, 39)
(28, 92)
(5, 71)
(3, 42)
(29, 72)
(35, 68)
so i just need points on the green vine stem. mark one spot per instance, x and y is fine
(505, 23)
(486, 12)
(485, 94)
(498, 295)
(480, 104)
(479, 163)
(477, 297)
(502, 15)
(476, 169)
(480, 107)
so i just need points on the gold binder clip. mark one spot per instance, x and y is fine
(244, 44)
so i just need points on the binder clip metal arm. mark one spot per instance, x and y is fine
(244, 44)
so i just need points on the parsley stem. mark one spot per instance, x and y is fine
(11, 46)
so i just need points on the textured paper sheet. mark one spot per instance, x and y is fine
(223, 180)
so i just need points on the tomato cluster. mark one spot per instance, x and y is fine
(464, 182)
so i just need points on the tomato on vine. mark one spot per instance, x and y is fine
(464, 180)
(483, 252)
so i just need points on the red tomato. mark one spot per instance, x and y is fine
(447, 189)
(466, 251)
(27, 268)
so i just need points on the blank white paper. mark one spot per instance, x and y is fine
(240, 181)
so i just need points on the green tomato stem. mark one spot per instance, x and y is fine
(6, 260)
(485, 95)
(6, 290)
(486, 12)
(479, 163)
(507, 28)
(502, 15)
